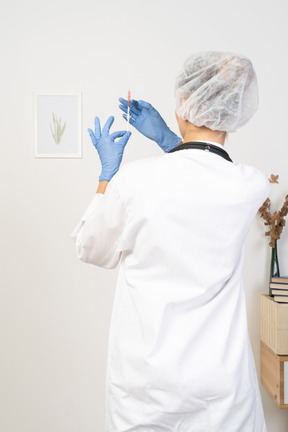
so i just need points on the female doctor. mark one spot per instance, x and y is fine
(179, 356)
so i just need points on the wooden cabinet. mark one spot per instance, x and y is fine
(274, 375)
(274, 349)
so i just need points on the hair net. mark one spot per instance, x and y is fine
(217, 90)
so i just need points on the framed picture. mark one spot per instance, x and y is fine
(57, 125)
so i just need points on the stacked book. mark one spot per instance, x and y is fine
(279, 289)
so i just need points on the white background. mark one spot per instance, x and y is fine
(55, 310)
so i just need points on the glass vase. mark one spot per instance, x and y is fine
(274, 268)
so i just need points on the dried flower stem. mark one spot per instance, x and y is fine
(276, 221)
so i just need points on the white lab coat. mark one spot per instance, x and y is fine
(179, 356)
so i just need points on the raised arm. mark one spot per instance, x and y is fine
(102, 186)
(110, 151)
(148, 121)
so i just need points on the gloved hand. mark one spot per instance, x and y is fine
(109, 150)
(148, 121)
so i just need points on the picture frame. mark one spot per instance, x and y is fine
(57, 124)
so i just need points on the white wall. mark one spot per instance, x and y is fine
(55, 310)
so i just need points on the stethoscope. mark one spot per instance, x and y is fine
(203, 146)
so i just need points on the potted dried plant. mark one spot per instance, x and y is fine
(276, 222)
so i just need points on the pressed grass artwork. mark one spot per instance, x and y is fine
(57, 124)
(58, 129)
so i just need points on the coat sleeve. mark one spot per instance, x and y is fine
(99, 235)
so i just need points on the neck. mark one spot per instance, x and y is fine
(195, 133)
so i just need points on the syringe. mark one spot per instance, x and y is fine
(128, 109)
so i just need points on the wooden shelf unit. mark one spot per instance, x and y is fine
(273, 376)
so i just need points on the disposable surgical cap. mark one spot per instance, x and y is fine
(217, 90)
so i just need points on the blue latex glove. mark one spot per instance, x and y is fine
(148, 121)
(109, 150)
